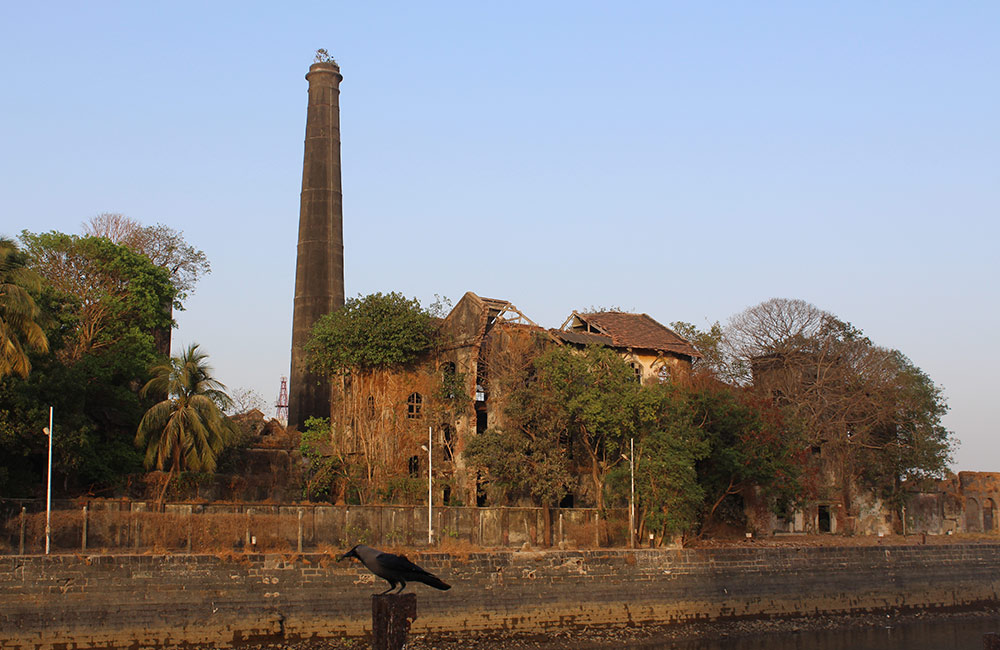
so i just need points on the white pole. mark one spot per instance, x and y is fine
(430, 488)
(48, 490)
(631, 497)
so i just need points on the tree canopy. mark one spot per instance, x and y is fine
(99, 305)
(868, 406)
(370, 332)
(104, 290)
(162, 245)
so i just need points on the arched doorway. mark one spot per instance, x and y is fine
(989, 516)
(973, 516)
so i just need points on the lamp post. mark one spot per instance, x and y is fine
(430, 487)
(631, 497)
(48, 489)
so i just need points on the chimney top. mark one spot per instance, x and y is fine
(325, 67)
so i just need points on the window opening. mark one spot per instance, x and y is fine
(413, 404)
(414, 466)
(480, 491)
(371, 406)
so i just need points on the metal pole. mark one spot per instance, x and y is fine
(48, 490)
(299, 546)
(20, 544)
(430, 488)
(631, 498)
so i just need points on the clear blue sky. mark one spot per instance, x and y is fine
(683, 160)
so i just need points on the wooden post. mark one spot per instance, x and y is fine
(83, 540)
(391, 618)
(991, 641)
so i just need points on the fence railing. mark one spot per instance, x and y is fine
(135, 526)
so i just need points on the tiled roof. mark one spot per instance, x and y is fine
(582, 338)
(638, 331)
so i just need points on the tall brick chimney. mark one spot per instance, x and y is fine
(319, 269)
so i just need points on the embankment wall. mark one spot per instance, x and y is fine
(81, 601)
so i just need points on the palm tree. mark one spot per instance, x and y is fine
(187, 430)
(19, 328)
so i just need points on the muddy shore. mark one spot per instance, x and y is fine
(637, 638)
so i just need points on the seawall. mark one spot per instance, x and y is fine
(81, 601)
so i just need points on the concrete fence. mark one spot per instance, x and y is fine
(133, 526)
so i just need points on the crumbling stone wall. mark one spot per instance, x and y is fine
(47, 602)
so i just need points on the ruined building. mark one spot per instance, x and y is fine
(386, 418)
(319, 268)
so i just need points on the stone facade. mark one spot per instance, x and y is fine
(964, 503)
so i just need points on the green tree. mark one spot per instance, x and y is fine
(325, 473)
(528, 455)
(566, 404)
(104, 291)
(668, 445)
(711, 344)
(370, 332)
(876, 416)
(594, 392)
(19, 315)
(749, 445)
(162, 245)
(187, 430)
(99, 307)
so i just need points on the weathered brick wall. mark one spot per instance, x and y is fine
(173, 599)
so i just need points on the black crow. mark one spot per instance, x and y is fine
(395, 569)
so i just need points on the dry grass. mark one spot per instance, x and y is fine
(805, 540)
(456, 547)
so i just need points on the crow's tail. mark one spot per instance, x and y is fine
(433, 581)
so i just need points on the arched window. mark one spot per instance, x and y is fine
(371, 406)
(414, 466)
(413, 404)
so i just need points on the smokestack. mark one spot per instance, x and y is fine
(319, 269)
